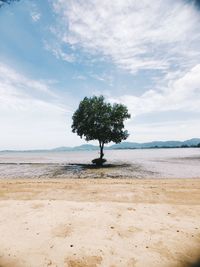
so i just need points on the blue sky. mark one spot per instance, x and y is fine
(53, 53)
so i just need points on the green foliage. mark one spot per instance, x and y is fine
(6, 2)
(198, 145)
(97, 120)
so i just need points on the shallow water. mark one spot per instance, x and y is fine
(138, 163)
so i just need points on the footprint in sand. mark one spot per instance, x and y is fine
(87, 261)
(62, 231)
(9, 263)
(37, 206)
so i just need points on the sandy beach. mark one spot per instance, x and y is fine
(100, 133)
(99, 222)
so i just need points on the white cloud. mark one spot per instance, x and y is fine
(35, 16)
(173, 130)
(19, 92)
(58, 52)
(104, 77)
(11, 77)
(135, 35)
(181, 94)
(31, 114)
(35, 12)
(79, 77)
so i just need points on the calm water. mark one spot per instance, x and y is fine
(139, 163)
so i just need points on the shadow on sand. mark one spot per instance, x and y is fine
(195, 264)
(11, 263)
(93, 166)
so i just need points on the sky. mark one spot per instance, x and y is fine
(144, 54)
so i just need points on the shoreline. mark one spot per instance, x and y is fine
(167, 163)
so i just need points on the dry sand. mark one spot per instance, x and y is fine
(99, 222)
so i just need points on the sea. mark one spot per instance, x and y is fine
(128, 163)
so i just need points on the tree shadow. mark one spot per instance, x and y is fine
(84, 166)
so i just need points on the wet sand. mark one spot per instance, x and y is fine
(134, 163)
(99, 222)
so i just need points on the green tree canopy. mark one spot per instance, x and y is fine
(97, 120)
(6, 2)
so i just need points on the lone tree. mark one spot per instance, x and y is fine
(97, 120)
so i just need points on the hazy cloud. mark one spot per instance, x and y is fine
(30, 113)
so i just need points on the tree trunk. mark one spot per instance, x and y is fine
(101, 146)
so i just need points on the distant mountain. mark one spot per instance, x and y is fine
(192, 142)
(86, 147)
(62, 148)
(157, 144)
(124, 145)
(76, 148)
